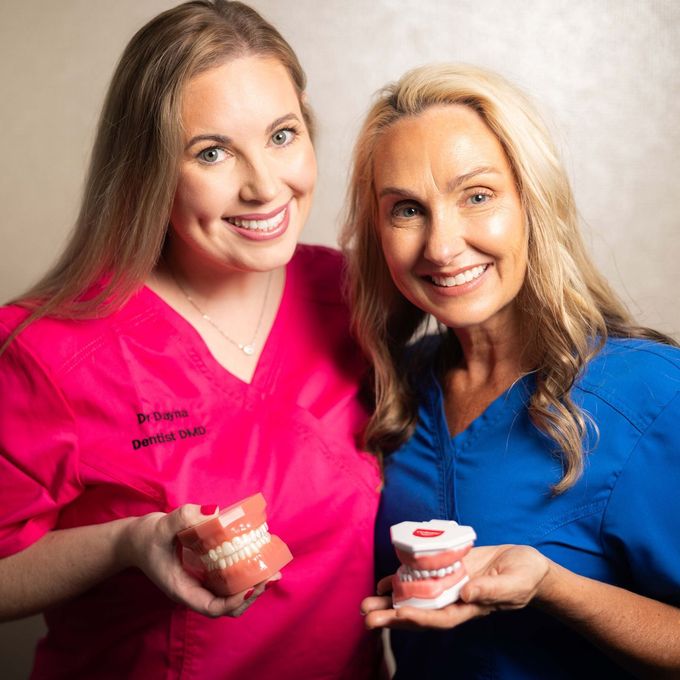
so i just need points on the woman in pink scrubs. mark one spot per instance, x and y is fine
(183, 354)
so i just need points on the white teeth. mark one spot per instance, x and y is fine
(459, 279)
(410, 574)
(259, 225)
(240, 547)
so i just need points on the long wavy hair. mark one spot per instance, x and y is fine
(123, 221)
(564, 299)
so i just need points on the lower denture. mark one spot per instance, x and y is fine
(432, 573)
(234, 551)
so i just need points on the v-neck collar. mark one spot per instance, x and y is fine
(266, 371)
(505, 405)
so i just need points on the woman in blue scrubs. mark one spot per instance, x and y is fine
(540, 414)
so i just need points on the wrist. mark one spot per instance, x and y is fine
(125, 541)
(548, 588)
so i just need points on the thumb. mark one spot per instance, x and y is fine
(189, 515)
(488, 590)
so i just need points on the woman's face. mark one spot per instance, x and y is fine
(247, 172)
(450, 222)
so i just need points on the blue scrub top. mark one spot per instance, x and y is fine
(619, 524)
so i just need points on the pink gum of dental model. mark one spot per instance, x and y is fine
(431, 572)
(234, 550)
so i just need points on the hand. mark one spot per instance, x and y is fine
(501, 577)
(149, 544)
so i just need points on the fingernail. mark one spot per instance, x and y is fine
(249, 594)
(270, 584)
(208, 509)
(472, 594)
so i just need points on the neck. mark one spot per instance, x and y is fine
(216, 285)
(494, 354)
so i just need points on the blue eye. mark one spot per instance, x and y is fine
(212, 155)
(479, 198)
(283, 137)
(406, 211)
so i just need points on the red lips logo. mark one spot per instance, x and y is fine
(428, 533)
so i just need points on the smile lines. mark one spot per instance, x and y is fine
(259, 225)
(459, 279)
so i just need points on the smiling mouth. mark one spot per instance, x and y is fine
(459, 279)
(262, 225)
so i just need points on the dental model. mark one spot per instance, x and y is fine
(234, 550)
(431, 574)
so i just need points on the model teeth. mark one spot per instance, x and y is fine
(230, 552)
(410, 574)
(259, 225)
(459, 279)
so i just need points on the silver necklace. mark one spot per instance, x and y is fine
(248, 347)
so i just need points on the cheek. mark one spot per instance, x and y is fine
(301, 170)
(200, 196)
(504, 232)
(401, 249)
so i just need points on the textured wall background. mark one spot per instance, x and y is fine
(606, 72)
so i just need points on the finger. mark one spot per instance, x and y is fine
(249, 596)
(375, 603)
(498, 590)
(405, 618)
(447, 617)
(384, 585)
(380, 618)
(188, 515)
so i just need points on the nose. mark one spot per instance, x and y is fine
(445, 238)
(259, 183)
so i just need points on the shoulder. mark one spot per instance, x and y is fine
(637, 378)
(60, 343)
(320, 272)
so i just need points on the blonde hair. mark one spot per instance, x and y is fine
(130, 186)
(564, 299)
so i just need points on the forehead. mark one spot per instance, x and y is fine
(443, 140)
(247, 88)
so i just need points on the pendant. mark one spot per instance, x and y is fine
(248, 349)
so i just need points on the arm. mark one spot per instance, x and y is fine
(65, 563)
(641, 634)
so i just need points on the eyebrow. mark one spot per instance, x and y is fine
(226, 141)
(451, 186)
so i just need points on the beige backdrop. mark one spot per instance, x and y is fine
(607, 73)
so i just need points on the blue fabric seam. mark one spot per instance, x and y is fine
(623, 467)
(609, 399)
(573, 516)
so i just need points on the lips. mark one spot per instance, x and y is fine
(432, 573)
(459, 279)
(261, 226)
(234, 551)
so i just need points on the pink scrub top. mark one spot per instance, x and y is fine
(131, 414)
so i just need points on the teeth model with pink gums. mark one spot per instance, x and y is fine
(234, 550)
(431, 574)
